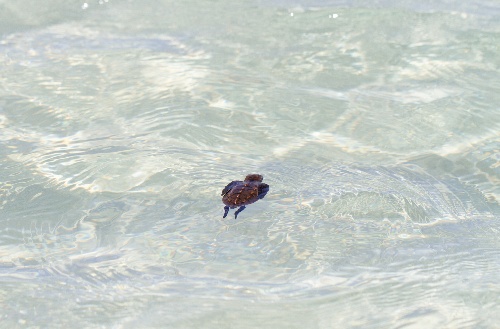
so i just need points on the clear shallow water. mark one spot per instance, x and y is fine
(376, 126)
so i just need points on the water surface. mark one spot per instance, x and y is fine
(376, 126)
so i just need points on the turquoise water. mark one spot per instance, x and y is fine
(377, 127)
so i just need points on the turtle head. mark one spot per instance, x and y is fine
(254, 178)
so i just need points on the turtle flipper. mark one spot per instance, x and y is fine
(263, 189)
(240, 209)
(229, 187)
(226, 209)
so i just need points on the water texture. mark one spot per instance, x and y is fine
(376, 125)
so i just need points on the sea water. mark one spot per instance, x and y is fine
(376, 125)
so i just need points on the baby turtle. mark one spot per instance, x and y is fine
(239, 194)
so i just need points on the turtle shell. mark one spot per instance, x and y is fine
(238, 193)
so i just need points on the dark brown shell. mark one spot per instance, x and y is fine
(241, 194)
(238, 193)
